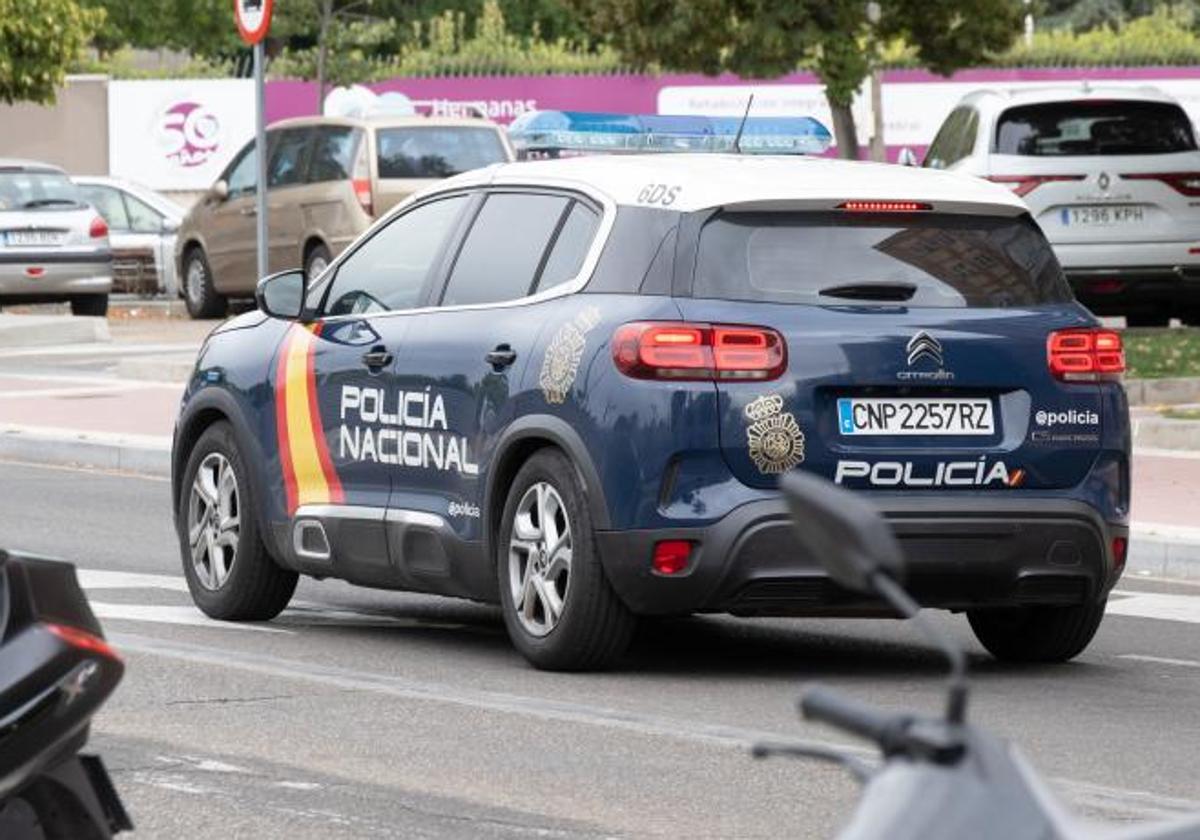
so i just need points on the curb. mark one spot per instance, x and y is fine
(19, 331)
(1164, 433)
(144, 454)
(1169, 391)
(1169, 551)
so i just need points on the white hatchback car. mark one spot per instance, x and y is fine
(1111, 174)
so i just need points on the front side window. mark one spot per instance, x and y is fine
(939, 260)
(241, 175)
(503, 251)
(436, 152)
(389, 271)
(1082, 127)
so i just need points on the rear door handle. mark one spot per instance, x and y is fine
(376, 358)
(501, 357)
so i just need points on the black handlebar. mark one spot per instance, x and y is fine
(845, 713)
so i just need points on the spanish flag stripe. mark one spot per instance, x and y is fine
(310, 478)
(322, 445)
(281, 429)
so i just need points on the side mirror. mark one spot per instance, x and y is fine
(169, 225)
(843, 531)
(282, 295)
(220, 190)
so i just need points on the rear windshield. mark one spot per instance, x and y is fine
(435, 152)
(844, 258)
(21, 190)
(1054, 129)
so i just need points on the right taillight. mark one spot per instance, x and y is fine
(360, 179)
(82, 640)
(1025, 184)
(687, 351)
(1185, 183)
(1087, 355)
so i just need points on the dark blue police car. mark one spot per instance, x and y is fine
(570, 386)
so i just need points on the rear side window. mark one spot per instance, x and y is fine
(332, 153)
(436, 152)
(503, 252)
(935, 260)
(955, 140)
(1055, 129)
(570, 246)
(287, 157)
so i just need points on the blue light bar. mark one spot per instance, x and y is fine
(581, 131)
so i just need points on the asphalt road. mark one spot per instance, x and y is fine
(367, 714)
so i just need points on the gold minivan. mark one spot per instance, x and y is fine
(328, 178)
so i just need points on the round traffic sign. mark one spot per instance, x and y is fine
(253, 19)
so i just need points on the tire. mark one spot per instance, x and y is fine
(1153, 318)
(316, 261)
(1037, 634)
(593, 628)
(241, 582)
(95, 306)
(199, 293)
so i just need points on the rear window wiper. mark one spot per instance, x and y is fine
(871, 291)
(47, 202)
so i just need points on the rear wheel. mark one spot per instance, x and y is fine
(316, 262)
(199, 293)
(228, 569)
(559, 608)
(95, 306)
(1037, 634)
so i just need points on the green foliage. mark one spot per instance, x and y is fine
(1166, 37)
(197, 27)
(38, 41)
(1158, 353)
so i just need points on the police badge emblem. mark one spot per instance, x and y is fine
(561, 362)
(774, 438)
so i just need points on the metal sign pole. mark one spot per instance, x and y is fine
(260, 146)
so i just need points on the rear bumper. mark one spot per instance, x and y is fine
(1110, 278)
(962, 554)
(37, 280)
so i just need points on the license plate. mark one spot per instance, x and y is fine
(915, 416)
(17, 238)
(1103, 216)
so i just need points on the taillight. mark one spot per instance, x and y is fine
(685, 351)
(1120, 548)
(671, 556)
(1025, 184)
(98, 228)
(1186, 183)
(83, 640)
(1088, 355)
(884, 206)
(360, 179)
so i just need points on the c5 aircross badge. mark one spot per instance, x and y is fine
(561, 362)
(774, 437)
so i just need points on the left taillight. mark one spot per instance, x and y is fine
(83, 640)
(1087, 355)
(98, 228)
(1025, 184)
(360, 179)
(1185, 183)
(688, 351)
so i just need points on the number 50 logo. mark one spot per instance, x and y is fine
(189, 133)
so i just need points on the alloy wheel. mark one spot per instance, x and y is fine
(539, 559)
(195, 280)
(214, 520)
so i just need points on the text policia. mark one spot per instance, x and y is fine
(405, 428)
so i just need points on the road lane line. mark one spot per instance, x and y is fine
(107, 579)
(186, 616)
(1127, 803)
(1160, 660)
(1155, 605)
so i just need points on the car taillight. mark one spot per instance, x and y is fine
(884, 206)
(1120, 548)
(685, 351)
(98, 228)
(1025, 184)
(1186, 183)
(671, 556)
(1088, 355)
(83, 640)
(360, 179)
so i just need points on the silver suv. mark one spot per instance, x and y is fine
(1112, 175)
(53, 244)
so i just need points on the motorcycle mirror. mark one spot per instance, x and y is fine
(843, 531)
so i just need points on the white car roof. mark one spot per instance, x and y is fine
(1008, 97)
(707, 181)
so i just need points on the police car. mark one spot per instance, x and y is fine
(569, 386)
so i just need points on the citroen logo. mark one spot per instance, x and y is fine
(1103, 181)
(924, 346)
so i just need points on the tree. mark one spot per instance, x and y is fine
(769, 38)
(38, 40)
